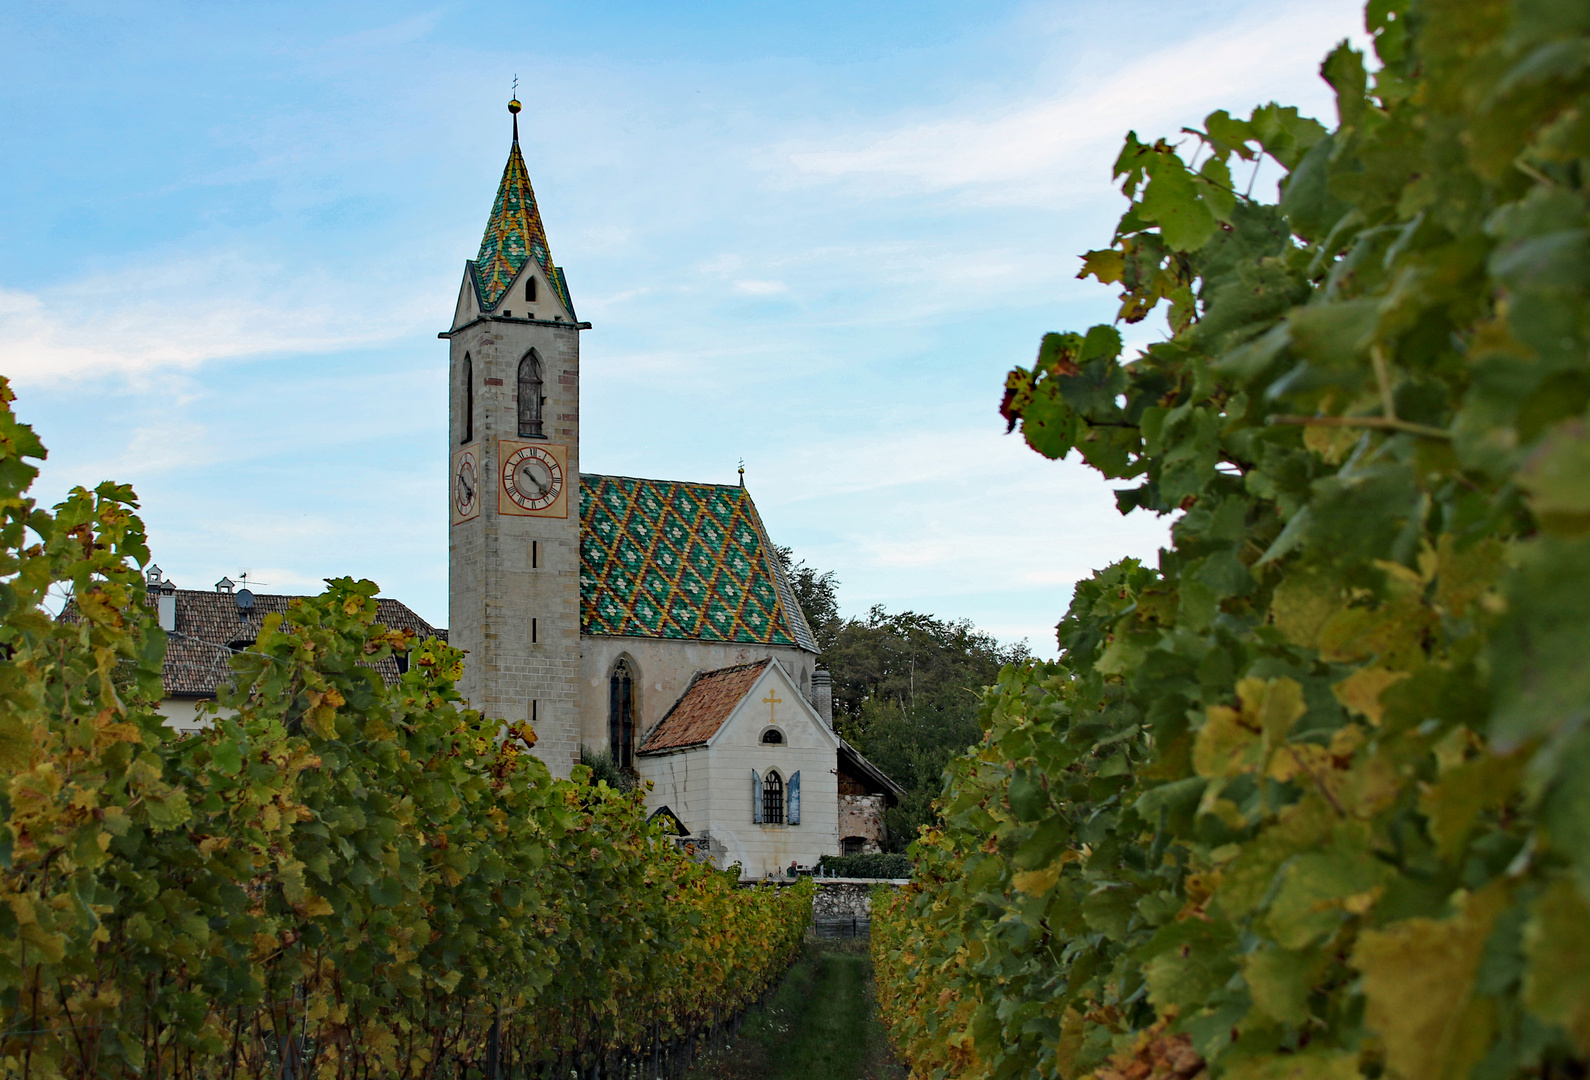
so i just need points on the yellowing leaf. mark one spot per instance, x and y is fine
(1361, 690)
(1234, 742)
(1105, 265)
(1454, 802)
(1279, 981)
(1419, 982)
(1036, 882)
(1225, 746)
(1309, 1065)
(1557, 944)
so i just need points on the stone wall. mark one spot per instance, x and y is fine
(861, 815)
(843, 898)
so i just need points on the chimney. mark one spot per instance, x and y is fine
(823, 695)
(166, 606)
(224, 585)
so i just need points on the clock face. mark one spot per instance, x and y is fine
(532, 478)
(466, 485)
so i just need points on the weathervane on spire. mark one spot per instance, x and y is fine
(514, 107)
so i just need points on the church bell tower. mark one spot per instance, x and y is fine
(514, 494)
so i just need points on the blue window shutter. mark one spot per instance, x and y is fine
(795, 798)
(756, 798)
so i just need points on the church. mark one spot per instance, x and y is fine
(650, 619)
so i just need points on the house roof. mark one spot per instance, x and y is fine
(514, 235)
(209, 626)
(667, 559)
(703, 707)
(851, 761)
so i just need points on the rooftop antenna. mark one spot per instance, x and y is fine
(742, 472)
(514, 107)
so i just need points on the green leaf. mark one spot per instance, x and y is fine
(1280, 981)
(1172, 201)
(1557, 945)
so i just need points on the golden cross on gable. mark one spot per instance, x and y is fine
(770, 701)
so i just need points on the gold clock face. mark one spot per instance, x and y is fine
(466, 485)
(532, 478)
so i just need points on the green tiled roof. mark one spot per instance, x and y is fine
(677, 560)
(514, 234)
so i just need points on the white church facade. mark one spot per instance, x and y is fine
(651, 619)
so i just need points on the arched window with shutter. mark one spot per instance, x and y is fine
(530, 396)
(772, 798)
(621, 714)
(468, 418)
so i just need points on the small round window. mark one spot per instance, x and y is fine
(772, 735)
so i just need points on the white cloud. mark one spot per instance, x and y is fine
(760, 288)
(145, 318)
(1036, 149)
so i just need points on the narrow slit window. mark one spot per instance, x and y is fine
(535, 554)
(621, 714)
(534, 637)
(772, 799)
(469, 400)
(530, 399)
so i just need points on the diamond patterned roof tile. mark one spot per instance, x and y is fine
(514, 235)
(669, 559)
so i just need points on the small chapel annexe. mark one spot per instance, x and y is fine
(748, 765)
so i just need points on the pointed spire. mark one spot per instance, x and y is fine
(514, 233)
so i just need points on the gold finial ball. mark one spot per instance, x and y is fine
(513, 106)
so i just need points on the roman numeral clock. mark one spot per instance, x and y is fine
(534, 479)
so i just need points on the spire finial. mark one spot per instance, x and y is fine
(514, 107)
(742, 472)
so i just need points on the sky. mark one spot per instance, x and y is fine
(812, 236)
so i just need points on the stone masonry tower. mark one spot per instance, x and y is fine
(514, 448)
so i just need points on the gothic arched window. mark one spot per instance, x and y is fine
(621, 714)
(469, 400)
(530, 397)
(772, 798)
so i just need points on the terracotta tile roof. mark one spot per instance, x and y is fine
(703, 707)
(666, 559)
(209, 626)
(514, 235)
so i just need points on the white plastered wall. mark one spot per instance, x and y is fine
(662, 669)
(183, 713)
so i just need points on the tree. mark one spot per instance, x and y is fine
(906, 690)
(817, 593)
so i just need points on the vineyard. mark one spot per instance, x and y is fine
(1310, 799)
(345, 879)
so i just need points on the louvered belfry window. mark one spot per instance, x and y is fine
(530, 397)
(772, 799)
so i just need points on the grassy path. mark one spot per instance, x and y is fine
(821, 1024)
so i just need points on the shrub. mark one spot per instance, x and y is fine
(339, 877)
(869, 865)
(1309, 798)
